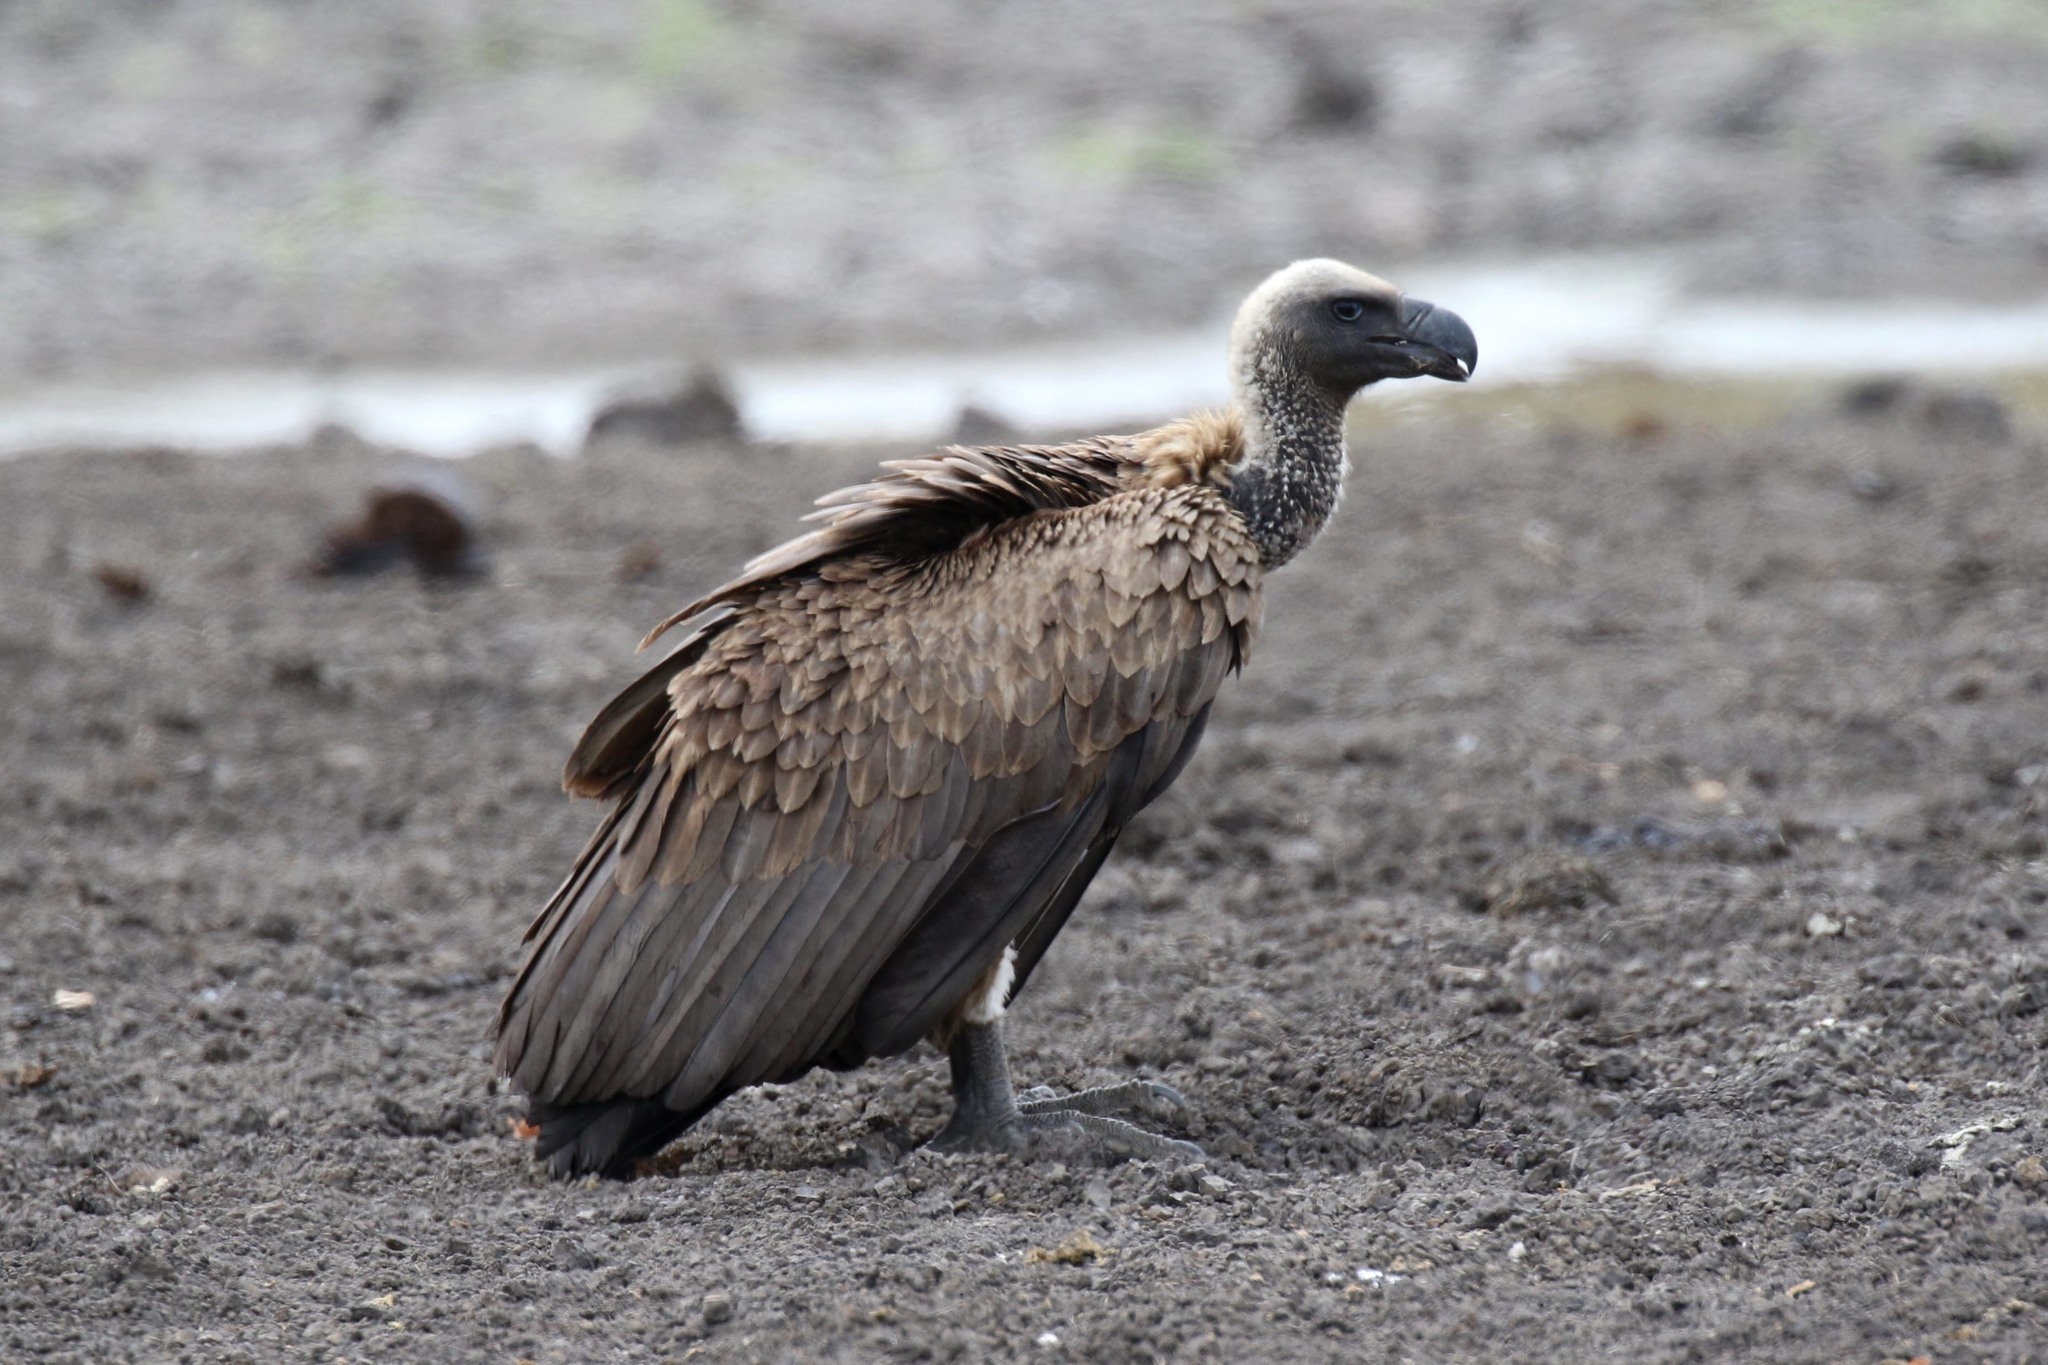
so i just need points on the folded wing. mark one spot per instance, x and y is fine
(844, 796)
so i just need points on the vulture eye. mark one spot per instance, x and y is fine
(1347, 310)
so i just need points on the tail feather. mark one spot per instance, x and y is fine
(608, 1138)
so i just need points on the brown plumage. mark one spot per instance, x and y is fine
(890, 750)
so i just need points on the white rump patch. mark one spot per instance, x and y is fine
(991, 995)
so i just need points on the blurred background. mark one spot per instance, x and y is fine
(459, 222)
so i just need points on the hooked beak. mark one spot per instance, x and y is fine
(1435, 341)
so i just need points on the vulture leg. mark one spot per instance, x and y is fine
(987, 1117)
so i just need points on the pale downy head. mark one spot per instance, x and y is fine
(1339, 329)
(1305, 341)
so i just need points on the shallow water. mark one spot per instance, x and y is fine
(1538, 322)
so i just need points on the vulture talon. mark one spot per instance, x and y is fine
(1066, 1134)
(989, 1117)
(1148, 1098)
(856, 803)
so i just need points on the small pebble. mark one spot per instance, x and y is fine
(717, 1309)
(1822, 925)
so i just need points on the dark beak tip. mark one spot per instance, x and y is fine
(1457, 350)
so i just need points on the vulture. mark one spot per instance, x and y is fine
(858, 799)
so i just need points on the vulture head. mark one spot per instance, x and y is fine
(1342, 329)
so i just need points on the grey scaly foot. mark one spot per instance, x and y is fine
(987, 1116)
(1147, 1099)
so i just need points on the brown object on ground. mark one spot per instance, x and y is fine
(404, 524)
(123, 582)
(641, 559)
(700, 409)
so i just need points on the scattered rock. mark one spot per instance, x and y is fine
(1755, 104)
(571, 1254)
(717, 1308)
(380, 1309)
(1906, 1160)
(303, 673)
(1985, 155)
(1331, 95)
(641, 559)
(148, 1180)
(133, 1264)
(1491, 1216)
(71, 1002)
(275, 926)
(1820, 924)
(456, 1120)
(1079, 1249)
(122, 582)
(1544, 879)
(977, 426)
(1967, 412)
(1951, 411)
(700, 409)
(2030, 1173)
(1611, 1070)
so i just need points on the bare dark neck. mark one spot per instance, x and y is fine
(1292, 473)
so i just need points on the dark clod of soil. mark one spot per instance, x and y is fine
(421, 526)
(121, 582)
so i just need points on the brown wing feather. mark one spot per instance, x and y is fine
(934, 503)
(725, 924)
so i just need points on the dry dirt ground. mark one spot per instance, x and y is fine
(1605, 923)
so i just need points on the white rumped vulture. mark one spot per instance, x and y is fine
(854, 805)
